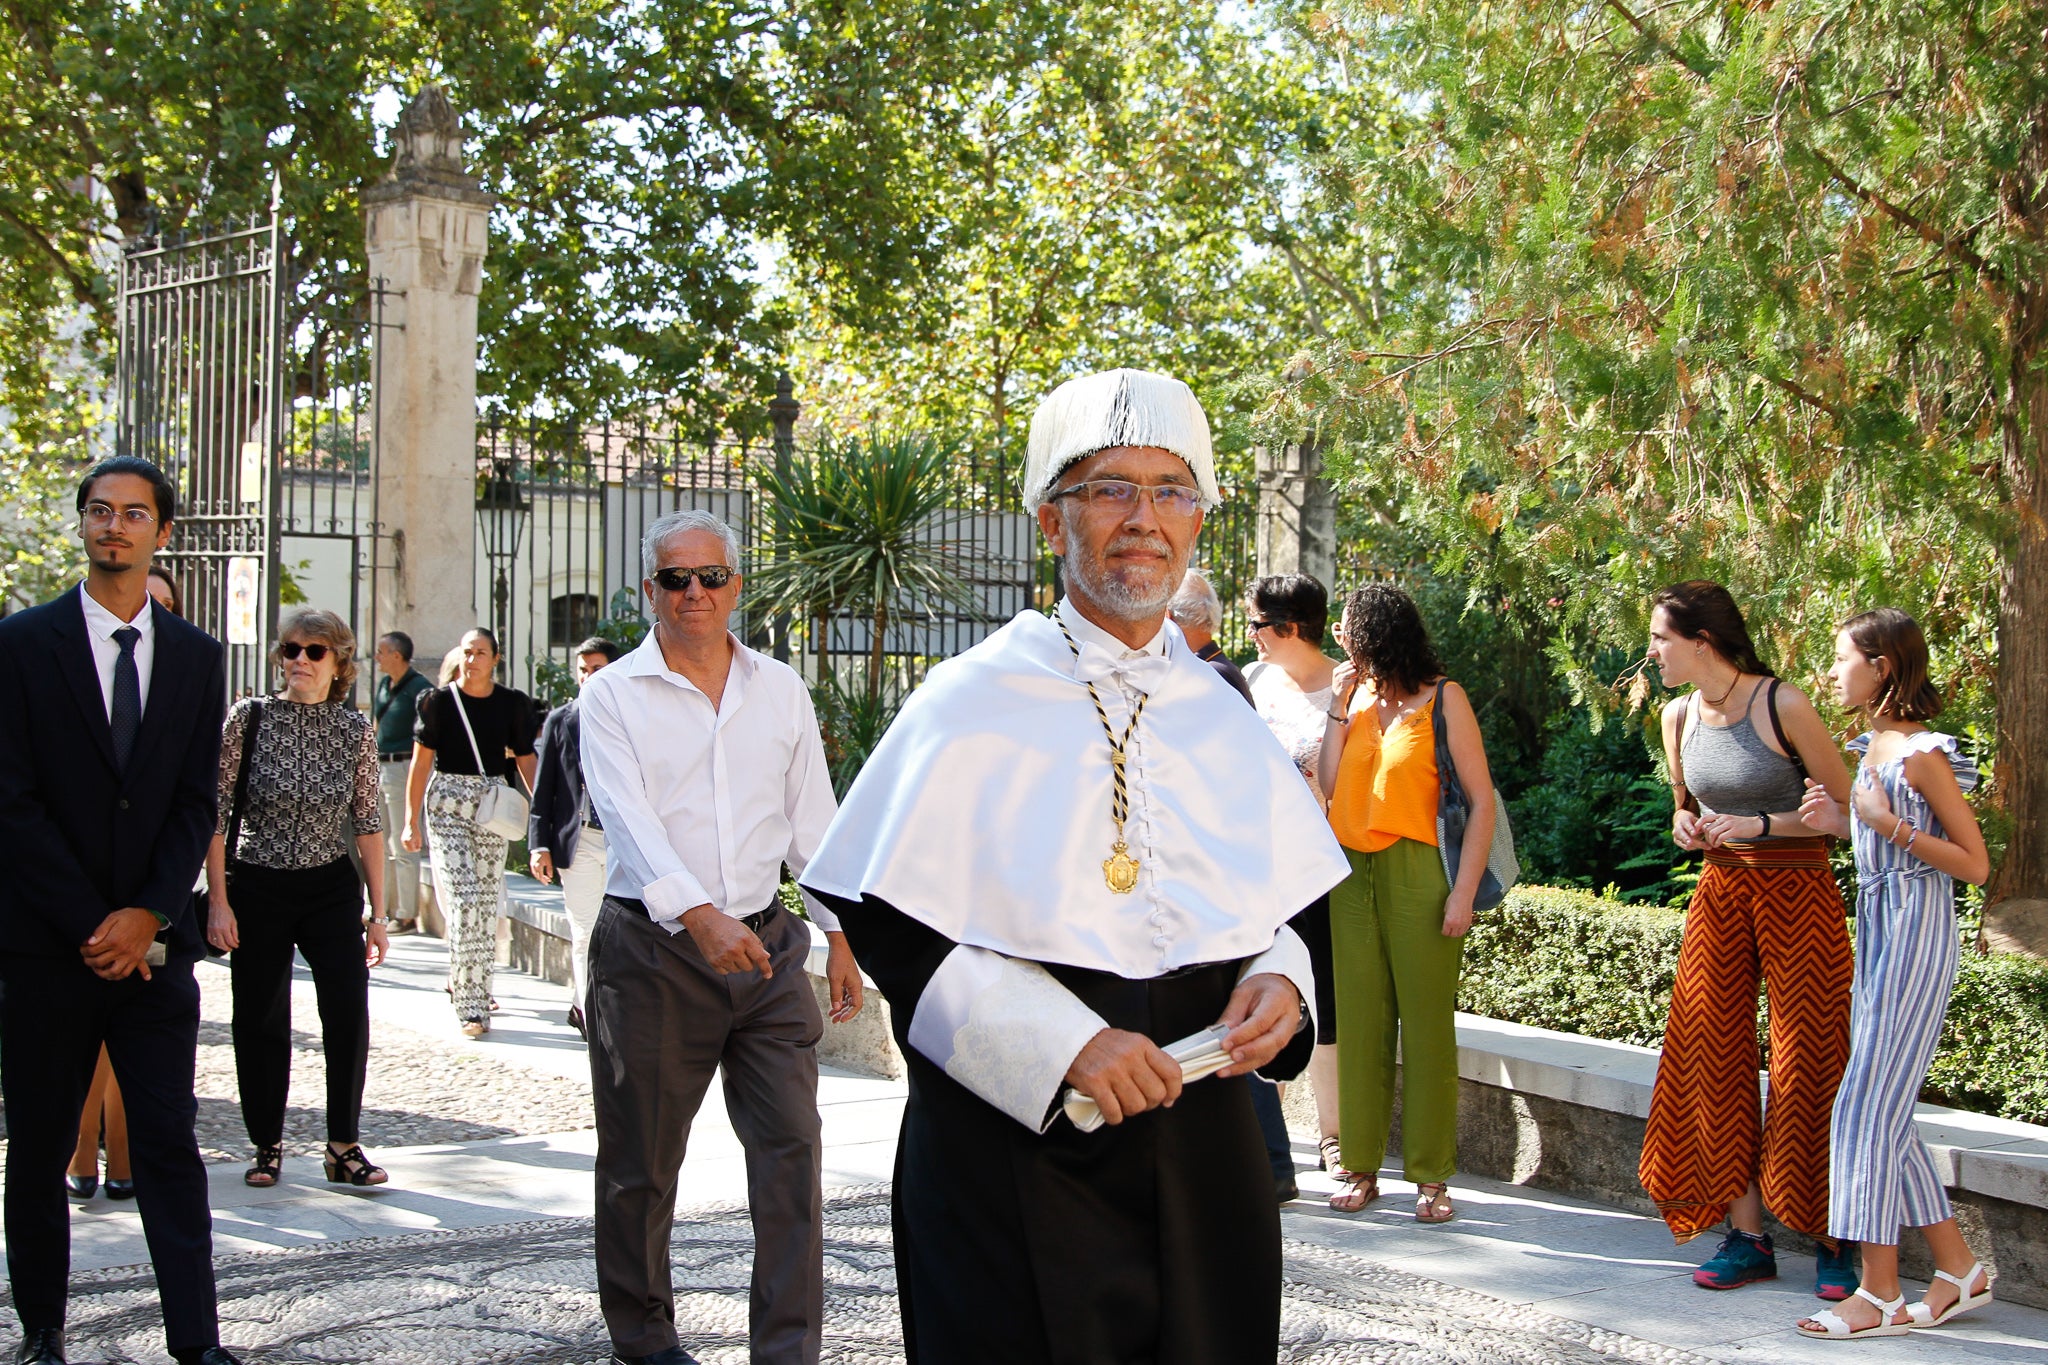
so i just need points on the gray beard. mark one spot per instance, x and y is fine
(1094, 582)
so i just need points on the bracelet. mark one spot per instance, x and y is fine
(1764, 816)
(1909, 840)
(1897, 825)
(1341, 720)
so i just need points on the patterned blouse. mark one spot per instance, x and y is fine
(314, 770)
(1295, 717)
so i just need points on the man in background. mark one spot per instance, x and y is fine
(393, 706)
(1198, 612)
(564, 836)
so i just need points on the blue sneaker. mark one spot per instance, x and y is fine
(1741, 1259)
(1834, 1278)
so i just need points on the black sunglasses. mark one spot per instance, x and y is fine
(712, 576)
(1256, 624)
(292, 649)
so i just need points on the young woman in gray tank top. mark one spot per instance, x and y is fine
(1740, 747)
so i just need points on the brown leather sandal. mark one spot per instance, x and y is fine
(1354, 1191)
(267, 1171)
(1433, 1202)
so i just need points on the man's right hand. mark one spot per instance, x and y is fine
(1125, 1074)
(727, 945)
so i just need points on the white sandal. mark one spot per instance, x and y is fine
(1835, 1329)
(1923, 1316)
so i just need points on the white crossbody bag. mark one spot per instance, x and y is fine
(503, 810)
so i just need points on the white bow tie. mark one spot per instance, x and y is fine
(1144, 672)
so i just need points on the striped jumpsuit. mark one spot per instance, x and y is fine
(1881, 1177)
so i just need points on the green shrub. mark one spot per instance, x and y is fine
(1993, 1056)
(1575, 962)
(1579, 963)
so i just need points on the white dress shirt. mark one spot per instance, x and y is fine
(100, 625)
(703, 805)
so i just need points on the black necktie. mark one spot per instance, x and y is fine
(126, 715)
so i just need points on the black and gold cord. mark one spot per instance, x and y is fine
(1120, 798)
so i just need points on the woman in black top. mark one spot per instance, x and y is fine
(464, 761)
(287, 884)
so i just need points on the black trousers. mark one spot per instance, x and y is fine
(319, 912)
(662, 1023)
(54, 1015)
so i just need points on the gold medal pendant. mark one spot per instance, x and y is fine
(1120, 870)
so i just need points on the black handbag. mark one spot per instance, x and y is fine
(1454, 812)
(236, 802)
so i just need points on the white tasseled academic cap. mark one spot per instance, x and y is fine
(1117, 408)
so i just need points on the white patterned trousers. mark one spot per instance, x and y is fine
(469, 881)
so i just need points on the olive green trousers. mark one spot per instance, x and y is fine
(1397, 984)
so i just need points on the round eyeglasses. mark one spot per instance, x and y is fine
(134, 518)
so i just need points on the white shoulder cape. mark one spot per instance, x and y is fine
(985, 814)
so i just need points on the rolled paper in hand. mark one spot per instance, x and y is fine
(1199, 1054)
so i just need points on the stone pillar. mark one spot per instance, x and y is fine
(426, 228)
(1297, 513)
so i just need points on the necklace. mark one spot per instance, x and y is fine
(1119, 869)
(1715, 702)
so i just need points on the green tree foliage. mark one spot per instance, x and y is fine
(1749, 292)
(1118, 185)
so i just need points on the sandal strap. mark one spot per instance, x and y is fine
(1832, 1321)
(1965, 1280)
(1886, 1308)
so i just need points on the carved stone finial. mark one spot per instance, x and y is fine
(428, 141)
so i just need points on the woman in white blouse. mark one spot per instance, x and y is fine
(1286, 615)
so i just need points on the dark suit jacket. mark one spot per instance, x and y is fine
(87, 838)
(556, 822)
(1212, 654)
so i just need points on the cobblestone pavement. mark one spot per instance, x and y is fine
(422, 1089)
(526, 1294)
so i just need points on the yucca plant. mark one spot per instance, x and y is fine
(852, 532)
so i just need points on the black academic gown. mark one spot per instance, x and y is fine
(1154, 1240)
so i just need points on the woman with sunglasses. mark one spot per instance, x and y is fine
(468, 738)
(280, 879)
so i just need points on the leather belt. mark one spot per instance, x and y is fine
(393, 758)
(753, 921)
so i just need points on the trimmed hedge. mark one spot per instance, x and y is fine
(1579, 963)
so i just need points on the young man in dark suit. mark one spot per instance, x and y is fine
(110, 719)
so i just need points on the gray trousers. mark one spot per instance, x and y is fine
(402, 869)
(661, 1022)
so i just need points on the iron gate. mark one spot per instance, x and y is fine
(198, 375)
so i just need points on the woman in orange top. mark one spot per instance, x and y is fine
(1396, 925)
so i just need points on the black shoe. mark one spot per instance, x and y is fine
(45, 1346)
(1285, 1187)
(81, 1186)
(674, 1355)
(120, 1189)
(212, 1355)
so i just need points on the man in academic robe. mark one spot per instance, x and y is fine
(1075, 846)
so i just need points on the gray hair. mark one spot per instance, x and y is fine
(1195, 603)
(676, 523)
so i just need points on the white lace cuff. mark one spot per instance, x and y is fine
(1005, 1029)
(1288, 957)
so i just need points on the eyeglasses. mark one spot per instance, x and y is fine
(134, 518)
(712, 576)
(1121, 495)
(292, 649)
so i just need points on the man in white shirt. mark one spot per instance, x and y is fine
(1073, 850)
(703, 760)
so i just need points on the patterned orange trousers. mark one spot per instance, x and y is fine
(1771, 910)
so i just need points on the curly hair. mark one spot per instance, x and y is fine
(312, 626)
(1385, 637)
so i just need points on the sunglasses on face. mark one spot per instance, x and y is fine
(1121, 495)
(292, 649)
(712, 576)
(1257, 625)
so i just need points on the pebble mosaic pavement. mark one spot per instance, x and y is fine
(526, 1294)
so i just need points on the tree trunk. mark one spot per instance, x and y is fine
(2022, 690)
(875, 652)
